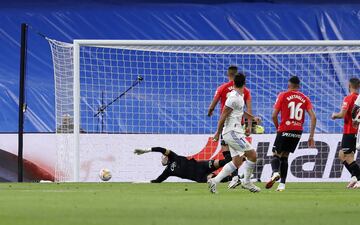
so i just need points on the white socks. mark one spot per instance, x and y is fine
(249, 169)
(226, 171)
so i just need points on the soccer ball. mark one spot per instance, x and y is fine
(105, 174)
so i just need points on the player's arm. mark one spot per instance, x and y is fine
(212, 106)
(275, 118)
(248, 104)
(226, 112)
(277, 108)
(164, 151)
(312, 115)
(214, 103)
(339, 115)
(343, 111)
(251, 117)
(165, 174)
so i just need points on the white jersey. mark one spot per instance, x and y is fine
(357, 101)
(233, 121)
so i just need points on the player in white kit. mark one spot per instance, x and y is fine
(356, 119)
(234, 135)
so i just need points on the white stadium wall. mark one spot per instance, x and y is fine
(115, 152)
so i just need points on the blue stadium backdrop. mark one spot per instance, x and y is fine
(107, 20)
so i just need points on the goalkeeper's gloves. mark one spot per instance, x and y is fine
(141, 151)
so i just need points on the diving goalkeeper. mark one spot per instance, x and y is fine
(180, 166)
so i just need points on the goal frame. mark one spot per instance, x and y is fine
(77, 43)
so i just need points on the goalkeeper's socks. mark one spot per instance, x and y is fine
(275, 163)
(355, 169)
(284, 165)
(249, 169)
(226, 171)
(348, 168)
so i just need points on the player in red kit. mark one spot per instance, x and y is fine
(292, 105)
(348, 143)
(221, 95)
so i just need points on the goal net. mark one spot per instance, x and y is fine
(114, 96)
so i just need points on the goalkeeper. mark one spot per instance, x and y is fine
(181, 166)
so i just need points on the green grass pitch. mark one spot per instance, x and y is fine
(175, 203)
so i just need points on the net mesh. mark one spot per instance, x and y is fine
(178, 85)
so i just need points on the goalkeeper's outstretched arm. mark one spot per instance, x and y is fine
(162, 177)
(164, 151)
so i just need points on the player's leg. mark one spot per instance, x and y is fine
(230, 166)
(284, 166)
(349, 156)
(290, 140)
(226, 171)
(249, 164)
(249, 170)
(220, 163)
(238, 142)
(346, 156)
(353, 179)
(236, 179)
(353, 168)
(275, 162)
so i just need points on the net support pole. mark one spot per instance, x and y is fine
(76, 88)
(22, 105)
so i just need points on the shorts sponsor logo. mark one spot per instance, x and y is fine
(291, 135)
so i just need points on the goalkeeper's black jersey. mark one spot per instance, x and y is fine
(182, 167)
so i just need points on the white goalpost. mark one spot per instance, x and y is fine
(114, 95)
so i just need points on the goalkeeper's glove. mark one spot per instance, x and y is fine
(141, 151)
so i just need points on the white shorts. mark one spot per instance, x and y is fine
(237, 143)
